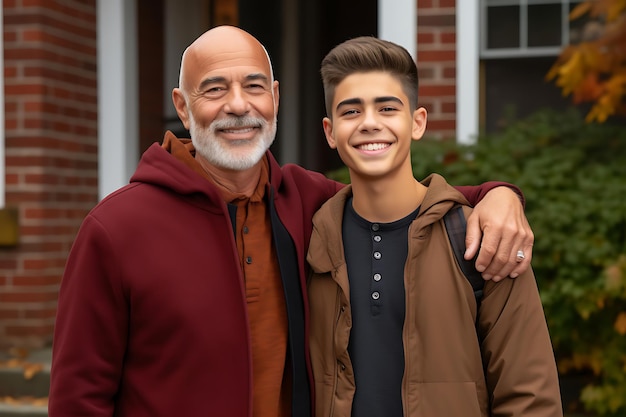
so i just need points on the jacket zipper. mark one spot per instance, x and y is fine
(339, 311)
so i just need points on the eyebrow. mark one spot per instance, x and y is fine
(384, 99)
(220, 79)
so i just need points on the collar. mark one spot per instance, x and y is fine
(184, 151)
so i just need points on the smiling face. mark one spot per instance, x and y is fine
(227, 98)
(372, 125)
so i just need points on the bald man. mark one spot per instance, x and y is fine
(184, 291)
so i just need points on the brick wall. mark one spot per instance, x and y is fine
(436, 60)
(51, 154)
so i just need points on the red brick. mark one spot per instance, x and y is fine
(437, 90)
(7, 263)
(10, 71)
(10, 124)
(447, 20)
(52, 230)
(11, 179)
(6, 313)
(24, 89)
(425, 38)
(449, 72)
(33, 35)
(426, 73)
(43, 264)
(27, 297)
(46, 179)
(44, 214)
(30, 330)
(38, 280)
(53, 244)
(441, 125)
(448, 3)
(9, 4)
(448, 37)
(448, 107)
(436, 55)
(48, 313)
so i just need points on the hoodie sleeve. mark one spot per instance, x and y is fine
(91, 328)
(475, 193)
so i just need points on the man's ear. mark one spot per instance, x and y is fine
(419, 123)
(178, 98)
(276, 96)
(328, 131)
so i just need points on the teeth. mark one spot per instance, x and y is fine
(373, 146)
(238, 130)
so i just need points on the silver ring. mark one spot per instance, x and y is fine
(520, 256)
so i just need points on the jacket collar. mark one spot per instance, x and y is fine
(326, 248)
(172, 165)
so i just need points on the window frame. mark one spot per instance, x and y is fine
(524, 50)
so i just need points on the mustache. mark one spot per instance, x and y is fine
(238, 121)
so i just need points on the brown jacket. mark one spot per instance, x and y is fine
(444, 361)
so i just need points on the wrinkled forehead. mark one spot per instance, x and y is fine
(230, 56)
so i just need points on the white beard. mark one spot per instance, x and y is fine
(237, 155)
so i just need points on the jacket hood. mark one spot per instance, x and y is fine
(327, 222)
(160, 167)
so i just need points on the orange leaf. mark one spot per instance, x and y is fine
(31, 369)
(620, 323)
(615, 9)
(588, 90)
(578, 11)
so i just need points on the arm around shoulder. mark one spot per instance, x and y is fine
(475, 193)
(497, 230)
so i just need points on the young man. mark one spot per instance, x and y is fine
(184, 292)
(395, 329)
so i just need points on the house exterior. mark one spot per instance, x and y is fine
(86, 87)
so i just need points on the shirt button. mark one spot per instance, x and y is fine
(377, 277)
(377, 238)
(377, 255)
(375, 295)
(375, 227)
(248, 259)
(245, 230)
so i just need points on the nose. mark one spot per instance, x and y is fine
(236, 102)
(370, 120)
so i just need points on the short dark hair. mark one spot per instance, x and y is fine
(366, 54)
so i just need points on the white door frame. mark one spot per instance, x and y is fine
(467, 71)
(118, 95)
(397, 22)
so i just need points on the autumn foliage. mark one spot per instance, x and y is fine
(594, 70)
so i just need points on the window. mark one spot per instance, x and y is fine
(527, 28)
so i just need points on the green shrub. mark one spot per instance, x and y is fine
(573, 176)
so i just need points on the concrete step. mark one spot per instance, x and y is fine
(23, 410)
(24, 383)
